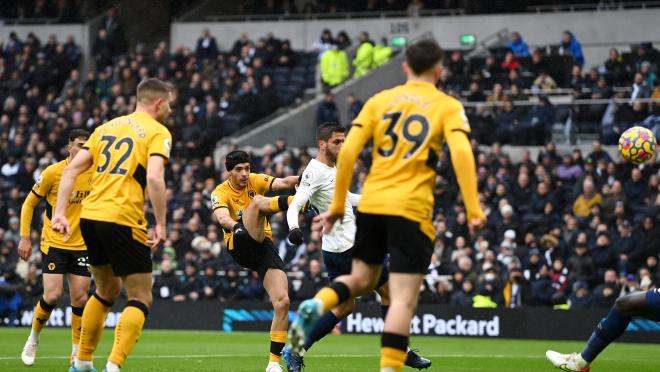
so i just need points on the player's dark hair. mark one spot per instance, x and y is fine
(236, 157)
(423, 55)
(151, 88)
(78, 133)
(325, 130)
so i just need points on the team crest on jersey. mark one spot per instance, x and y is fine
(251, 194)
(307, 178)
(214, 200)
(39, 180)
(466, 123)
(51, 266)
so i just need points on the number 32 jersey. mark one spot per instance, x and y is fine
(408, 125)
(121, 149)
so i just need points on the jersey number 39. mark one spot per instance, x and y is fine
(416, 138)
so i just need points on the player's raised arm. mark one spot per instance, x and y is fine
(462, 158)
(80, 163)
(303, 194)
(156, 189)
(284, 183)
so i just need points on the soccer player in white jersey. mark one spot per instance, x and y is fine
(317, 186)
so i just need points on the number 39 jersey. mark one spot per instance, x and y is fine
(121, 149)
(408, 125)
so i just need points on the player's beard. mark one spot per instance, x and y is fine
(332, 156)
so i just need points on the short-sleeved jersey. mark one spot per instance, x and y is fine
(121, 149)
(236, 200)
(408, 125)
(46, 188)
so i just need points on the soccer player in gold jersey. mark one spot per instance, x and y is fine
(408, 125)
(59, 256)
(127, 155)
(242, 210)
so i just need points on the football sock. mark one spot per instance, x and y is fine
(280, 203)
(277, 340)
(333, 295)
(128, 331)
(93, 321)
(607, 330)
(393, 351)
(41, 315)
(76, 325)
(323, 326)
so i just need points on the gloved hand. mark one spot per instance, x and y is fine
(296, 236)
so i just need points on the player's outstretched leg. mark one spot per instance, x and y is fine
(53, 287)
(361, 280)
(646, 305)
(413, 360)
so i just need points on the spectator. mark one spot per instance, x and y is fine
(285, 57)
(649, 74)
(604, 255)
(190, 286)
(324, 42)
(615, 67)
(463, 297)
(364, 57)
(639, 88)
(581, 298)
(510, 63)
(541, 288)
(102, 50)
(570, 46)
(517, 45)
(497, 97)
(312, 282)
(211, 283)
(327, 111)
(544, 82)
(382, 53)
(166, 283)
(580, 265)
(517, 291)
(343, 41)
(538, 123)
(207, 47)
(334, 67)
(589, 197)
(354, 106)
(606, 293)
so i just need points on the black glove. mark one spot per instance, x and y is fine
(239, 229)
(296, 236)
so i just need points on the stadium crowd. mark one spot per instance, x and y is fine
(576, 229)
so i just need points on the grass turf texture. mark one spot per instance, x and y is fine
(241, 351)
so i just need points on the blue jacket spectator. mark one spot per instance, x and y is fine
(517, 45)
(571, 46)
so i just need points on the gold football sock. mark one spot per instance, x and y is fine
(333, 295)
(393, 351)
(92, 324)
(76, 324)
(128, 331)
(41, 315)
(280, 203)
(277, 340)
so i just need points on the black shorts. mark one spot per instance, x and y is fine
(377, 235)
(65, 261)
(338, 264)
(256, 256)
(111, 243)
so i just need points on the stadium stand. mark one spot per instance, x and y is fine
(563, 227)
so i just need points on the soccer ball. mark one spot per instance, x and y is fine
(637, 145)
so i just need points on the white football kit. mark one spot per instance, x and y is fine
(317, 186)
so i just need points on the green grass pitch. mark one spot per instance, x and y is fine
(242, 351)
